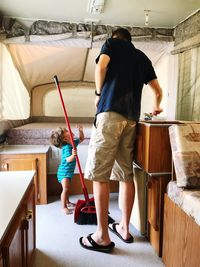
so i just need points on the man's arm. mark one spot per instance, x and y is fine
(154, 84)
(100, 74)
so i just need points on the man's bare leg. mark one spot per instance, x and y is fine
(101, 196)
(127, 195)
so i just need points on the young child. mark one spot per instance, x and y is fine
(61, 138)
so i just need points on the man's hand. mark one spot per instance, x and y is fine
(157, 111)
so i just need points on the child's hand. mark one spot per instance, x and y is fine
(81, 134)
(71, 158)
(80, 128)
(74, 152)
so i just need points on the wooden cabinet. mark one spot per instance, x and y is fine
(1, 261)
(153, 150)
(18, 244)
(153, 155)
(36, 162)
(156, 190)
(181, 237)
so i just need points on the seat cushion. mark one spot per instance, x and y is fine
(187, 199)
(185, 144)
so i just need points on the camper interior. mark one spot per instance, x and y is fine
(41, 39)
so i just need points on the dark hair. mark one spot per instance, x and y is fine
(122, 33)
(57, 137)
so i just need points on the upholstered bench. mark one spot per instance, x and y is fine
(181, 237)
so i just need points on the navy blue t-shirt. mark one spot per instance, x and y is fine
(128, 70)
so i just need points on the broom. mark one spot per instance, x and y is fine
(85, 212)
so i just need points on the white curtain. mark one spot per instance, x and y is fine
(15, 100)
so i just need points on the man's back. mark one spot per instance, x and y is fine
(128, 70)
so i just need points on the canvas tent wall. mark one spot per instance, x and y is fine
(72, 58)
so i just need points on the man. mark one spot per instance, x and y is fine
(120, 74)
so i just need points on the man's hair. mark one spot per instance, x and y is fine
(122, 33)
(56, 138)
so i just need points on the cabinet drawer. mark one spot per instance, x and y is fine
(24, 162)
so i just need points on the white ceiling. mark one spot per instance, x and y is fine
(164, 13)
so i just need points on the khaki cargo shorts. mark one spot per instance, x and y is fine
(110, 154)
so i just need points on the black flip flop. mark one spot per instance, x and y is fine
(114, 230)
(95, 247)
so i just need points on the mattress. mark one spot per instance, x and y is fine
(187, 199)
(38, 133)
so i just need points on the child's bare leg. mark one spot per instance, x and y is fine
(65, 195)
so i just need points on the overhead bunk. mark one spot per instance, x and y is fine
(41, 30)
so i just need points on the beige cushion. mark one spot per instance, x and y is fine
(187, 200)
(185, 144)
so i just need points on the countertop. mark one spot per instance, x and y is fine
(13, 185)
(24, 149)
(158, 123)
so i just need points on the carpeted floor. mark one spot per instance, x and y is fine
(57, 241)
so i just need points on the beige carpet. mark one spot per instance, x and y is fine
(58, 245)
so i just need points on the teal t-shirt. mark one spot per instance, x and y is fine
(66, 169)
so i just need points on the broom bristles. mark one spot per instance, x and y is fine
(89, 218)
(85, 213)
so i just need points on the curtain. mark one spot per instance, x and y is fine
(14, 97)
(188, 95)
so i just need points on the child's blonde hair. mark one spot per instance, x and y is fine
(57, 137)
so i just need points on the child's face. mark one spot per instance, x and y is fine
(66, 136)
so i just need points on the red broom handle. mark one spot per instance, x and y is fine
(72, 141)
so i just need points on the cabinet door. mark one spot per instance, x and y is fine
(156, 190)
(1, 261)
(13, 251)
(153, 203)
(19, 244)
(23, 164)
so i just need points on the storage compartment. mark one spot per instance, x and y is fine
(19, 242)
(22, 162)
(181, 237)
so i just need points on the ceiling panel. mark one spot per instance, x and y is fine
(116, 12)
